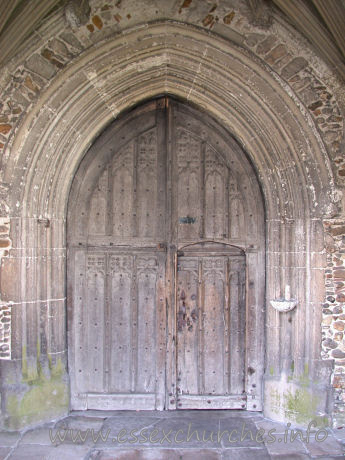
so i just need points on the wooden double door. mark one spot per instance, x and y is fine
(164, 223)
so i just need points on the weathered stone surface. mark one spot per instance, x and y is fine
(71, 40)
(339, 326)
(49, 55)
(327, 321)
(266, 45)
(335, 231)
(5, 243)
(294, 67)
(5, 128)
(9, 439)
(77, 13)
(97, 21)
(340, 297)
(159, 454)
(315, 105)
(227, 19)
(338, 354)
(328, 446)
(339, 381)
(339, 274)
(245, 454)
(5, 332)
(329, 343)
(4, 452)
(338, 336)
(253, 39)
(276, 54)
(41, 66)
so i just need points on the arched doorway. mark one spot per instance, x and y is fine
(165, 266)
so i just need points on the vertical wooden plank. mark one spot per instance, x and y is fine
(227, 329)
(161, 328)
(255, 341)
(187, 325)
(171, 261)
(215, 203)
(188, 158)
(147, 184)
(98, 216)
(146, 268)
(122, 173)
(171, 352)
(95, 305)
(162, 216)
(203, 191)
(213, 324)
(79, 373)
(236, 218)
(120, 323)
(237, 324)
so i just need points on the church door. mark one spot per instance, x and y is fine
(165, 266)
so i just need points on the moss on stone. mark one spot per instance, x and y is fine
(300, 405)
(45, 396)
(292, 370)
(24, 363)
(275, 400)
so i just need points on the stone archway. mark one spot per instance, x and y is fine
(257, 108)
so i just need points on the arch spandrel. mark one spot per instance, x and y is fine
(88, 96)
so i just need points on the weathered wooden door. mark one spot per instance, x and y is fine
(211, 328)
(165, 266)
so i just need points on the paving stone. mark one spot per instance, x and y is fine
(64, 452)
(37, 443)
(158, 454)
(9, 439)
(4, 451)
(80, 422)
(245, 454)
(117, 430)
(330, 446)
(240, 433)
(42, 435)
(268, 425)
(31, 452)
(339, 434)
(75, 437)
(290, 456)
(333, 457)
(288, 447)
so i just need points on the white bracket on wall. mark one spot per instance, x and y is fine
(284, 305)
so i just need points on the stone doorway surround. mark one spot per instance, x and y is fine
(291, 163)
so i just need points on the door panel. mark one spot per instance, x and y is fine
(118, 337)
(210, 371)
(148, 326)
